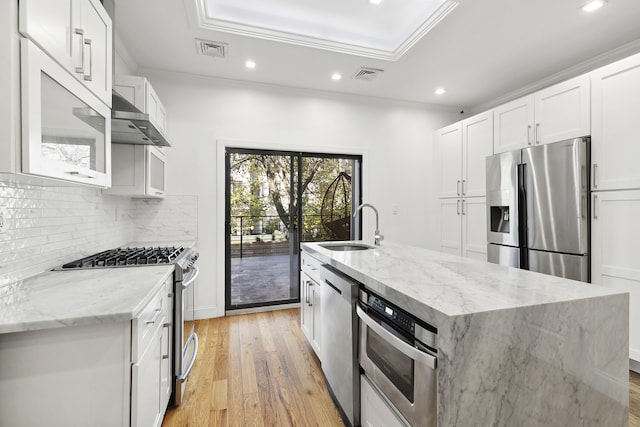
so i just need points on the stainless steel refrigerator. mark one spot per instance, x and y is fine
(538, 207)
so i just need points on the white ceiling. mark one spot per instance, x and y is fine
(482, 52)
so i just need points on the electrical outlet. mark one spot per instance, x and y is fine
(3, 220)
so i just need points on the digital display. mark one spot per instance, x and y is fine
(388, 311)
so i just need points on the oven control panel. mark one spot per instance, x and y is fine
(395, 316)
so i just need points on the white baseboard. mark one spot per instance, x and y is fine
(634, 365)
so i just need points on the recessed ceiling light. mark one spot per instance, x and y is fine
(376, 2)
(250, 64)
(593, 5)
(439, 91)
(336, 76)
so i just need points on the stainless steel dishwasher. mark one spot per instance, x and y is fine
(339, 337)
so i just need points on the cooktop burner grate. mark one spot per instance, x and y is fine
(124, 257)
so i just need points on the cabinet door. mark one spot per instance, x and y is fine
(474, 228)
(477, 144)
(66, 130)
(513, 125)
(155, 109)
(562, 111)
(155, 171)
(615, 252)
(317, 321)
(50, 24)
(448, 160)
(450, 226)
(145, 386)
(306, 309)
(97, 49)
(166, 379)
(615, 145)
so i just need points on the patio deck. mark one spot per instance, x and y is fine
(261, 279)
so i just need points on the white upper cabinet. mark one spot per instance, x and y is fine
(477, 144)
(138, 171)
(66, 130)
(449, 160)
(553, 114)
(615, 145)
(461, 150)
(563, 111)
(138, 91)
(75, 33)
(513, 125)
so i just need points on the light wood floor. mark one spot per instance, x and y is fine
(258, 370)
(255, 370)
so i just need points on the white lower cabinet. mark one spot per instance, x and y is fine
(310, 310)
(102, 375)
(463, 227)
(374, 410)
(615, 263)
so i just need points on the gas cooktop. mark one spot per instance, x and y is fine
(128, 257)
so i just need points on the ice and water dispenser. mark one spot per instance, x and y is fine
(499, 217)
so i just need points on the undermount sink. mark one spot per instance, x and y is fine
(346, 246)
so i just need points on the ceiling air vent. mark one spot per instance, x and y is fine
(213, 49)
(365, 73)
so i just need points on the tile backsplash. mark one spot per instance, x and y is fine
(49, 223)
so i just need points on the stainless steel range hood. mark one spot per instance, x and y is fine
(131, 126)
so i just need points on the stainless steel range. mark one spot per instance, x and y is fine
(185, 340)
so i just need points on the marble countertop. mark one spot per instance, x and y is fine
(80, 297)
(436, 286)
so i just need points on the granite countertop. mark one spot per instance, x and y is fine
(80, 297)
(437, 286)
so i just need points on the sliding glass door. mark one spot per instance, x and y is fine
(274, 201)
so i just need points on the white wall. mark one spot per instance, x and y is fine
(395, 139)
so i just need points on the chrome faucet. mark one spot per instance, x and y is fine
(377, 237)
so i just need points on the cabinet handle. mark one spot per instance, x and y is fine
(306, 297)
(309, 302)
(80, 32)
(529, 135)
(463, 213)
(595, 181)
(83, 175)
(595, 203)
(463, 182)
(458, 207)
(537, 132)
(458, 187)
(90, 76)
(155, 318)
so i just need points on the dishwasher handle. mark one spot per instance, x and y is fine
(406, 349)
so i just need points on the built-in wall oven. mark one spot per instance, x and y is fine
(398, 354)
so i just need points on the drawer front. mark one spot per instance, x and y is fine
(311, 266)
(150, 320)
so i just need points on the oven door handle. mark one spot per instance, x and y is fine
(397, 343)
(192, 339)
(187, 283)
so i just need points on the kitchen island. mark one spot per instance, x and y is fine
(515, 348)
